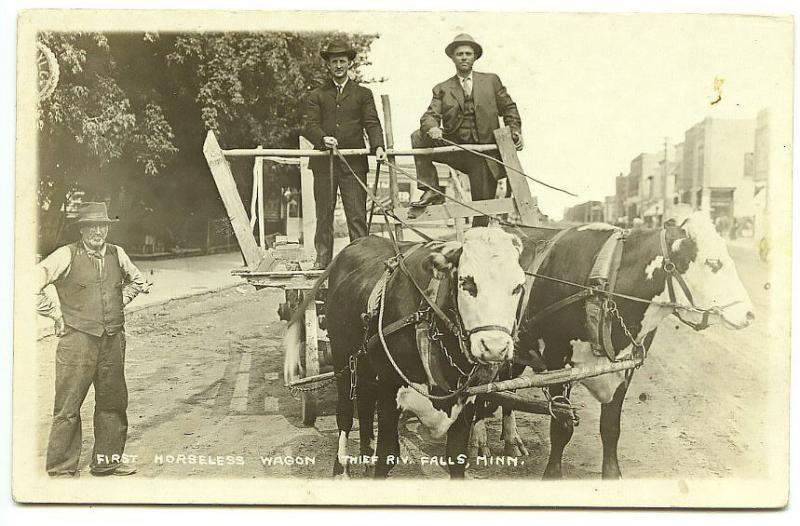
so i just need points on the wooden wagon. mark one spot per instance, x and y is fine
(289, 269)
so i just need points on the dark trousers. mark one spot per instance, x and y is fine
(482, 183)
(354, 202)
(83, 360)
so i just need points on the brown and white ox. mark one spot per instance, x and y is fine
(700, 256)
(485, 283)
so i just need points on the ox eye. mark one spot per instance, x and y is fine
(467, 284)
(518, 289)
(714, 265)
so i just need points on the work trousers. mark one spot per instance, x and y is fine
(482, 183)
(83, 360)
(354, 202)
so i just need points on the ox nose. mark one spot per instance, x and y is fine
(494, 348)
(750, 316)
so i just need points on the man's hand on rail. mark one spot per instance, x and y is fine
(380, 154)
(518, 142)
(330, 142)
(435, 133)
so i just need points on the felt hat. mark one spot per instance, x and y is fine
(464, 40)
(93, 213)
(337, 47)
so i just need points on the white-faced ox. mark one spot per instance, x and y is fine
(712, 294)
(479, 284)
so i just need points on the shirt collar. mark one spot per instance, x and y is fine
(101, 252)
(461, 79)
(343, 84)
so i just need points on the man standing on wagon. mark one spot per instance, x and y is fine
(94, 281)
(465, 109)
(337, 115)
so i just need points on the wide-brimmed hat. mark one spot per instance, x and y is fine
(337, 47)
(464, 40)
(93, 213)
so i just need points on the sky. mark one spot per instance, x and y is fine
(593, 91)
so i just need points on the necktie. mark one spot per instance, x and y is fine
(97, 259)
(467, 85)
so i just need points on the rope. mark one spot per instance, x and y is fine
(498, 161)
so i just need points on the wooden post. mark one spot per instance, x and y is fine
(260, 210)
(458, 192)
(526, 203)
(309, 205)
(226, 186)
(312, 360)
(389, 139)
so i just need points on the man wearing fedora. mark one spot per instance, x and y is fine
(94, 281)
(465, 109)
(337, 115)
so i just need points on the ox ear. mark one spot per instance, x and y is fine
(517, 242)
(680, 213)
(444, 259)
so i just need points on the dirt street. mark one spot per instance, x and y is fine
(207, 398)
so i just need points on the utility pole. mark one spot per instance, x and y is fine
(664, 184)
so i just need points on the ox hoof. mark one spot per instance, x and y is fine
(552, 474)
(478, 445)
(515, 448)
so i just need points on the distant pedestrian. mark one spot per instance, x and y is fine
(338, 114)
(94, 281)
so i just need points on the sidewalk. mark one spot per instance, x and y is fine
(174, 279)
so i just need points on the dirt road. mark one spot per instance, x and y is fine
(207, 398)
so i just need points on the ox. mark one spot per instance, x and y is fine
(713, 294)
(482, 283)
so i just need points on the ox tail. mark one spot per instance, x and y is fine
(293, 340)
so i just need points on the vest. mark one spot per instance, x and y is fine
(468, 131)
(91, 303)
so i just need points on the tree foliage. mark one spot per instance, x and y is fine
(132, 109)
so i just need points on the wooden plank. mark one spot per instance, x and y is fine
(526, 204)
(309, 206)
(312, 326)
(311, 152)
(454, 210)
(260, 179)
(232, 201)
(388, 132)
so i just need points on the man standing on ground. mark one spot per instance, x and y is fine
(337, 115)
(94, 281)
(465, 109)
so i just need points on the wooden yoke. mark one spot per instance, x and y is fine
(226, 185)
(524, 201)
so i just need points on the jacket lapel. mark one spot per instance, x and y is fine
(458, 91)
(346, 91)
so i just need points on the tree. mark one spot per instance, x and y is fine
(131, 111)
(87, 124)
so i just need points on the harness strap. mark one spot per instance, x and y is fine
(560, 304)
(617, 242)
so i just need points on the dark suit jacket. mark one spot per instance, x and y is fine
(491, 102)
(346, 119)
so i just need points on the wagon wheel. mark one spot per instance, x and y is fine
(48, 71)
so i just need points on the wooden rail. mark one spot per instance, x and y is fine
(289, 152)
(560, 376)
